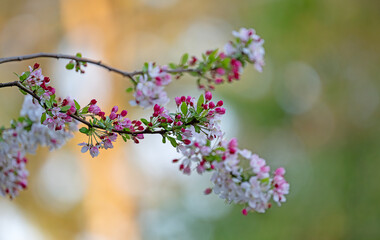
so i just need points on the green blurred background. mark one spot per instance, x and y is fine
(314, 110)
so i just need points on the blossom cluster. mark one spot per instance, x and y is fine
(203, 148)
(26, 134)
(194, 128)
(214, 68)
(244, 178)
(149, 89)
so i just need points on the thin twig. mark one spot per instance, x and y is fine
(130, 75)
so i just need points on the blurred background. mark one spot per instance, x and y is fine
(313, 110)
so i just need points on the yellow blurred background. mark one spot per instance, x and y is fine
(314, 110)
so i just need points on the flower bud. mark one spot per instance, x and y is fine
(208, 96)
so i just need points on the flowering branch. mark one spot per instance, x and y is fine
(238, 176)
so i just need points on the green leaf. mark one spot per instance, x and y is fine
(130, 89)
(79, 55)
(146, 67)
(184, 108)
(77, 106)
(179, 137)
(220, 149)
(65, 108)
(184, 58)
(84, 130)
(143, 120)
(40, 91)
(24, 76)
(201, 101)
(85, 110)
(172, 66)
(226, 63)
(172, 141)
(48, 104)
(163, 139)
(213, 55)
(197, 129)
(43, 117)
(22, 91)
(70, 66)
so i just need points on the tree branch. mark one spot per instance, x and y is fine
(76, 117)
(130, 75)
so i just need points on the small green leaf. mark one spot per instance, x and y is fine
(48, 104)
(79, 55)
(220, 149)
(172, 141)
(85, 110)
(65, 108)
(70, 66)
(200, 102)
(197, 129)
(77, 106)
(146, 67)
(43, 117)
(226, 62)
(184, 58)
(172, 66)
(184, 108)
(163, 139)
(179, 137)
(24, 76)
(143, 120)
(22, 91)
(130, 89)
(84, 130)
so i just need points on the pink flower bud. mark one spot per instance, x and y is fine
(220, 71)
(220, 103)
(208, 96)
(115, 109)
(211, 105)
(186, 141)
(220, 110)
(112, 115)
(208, 191)
(156, 108)
(93, 102)
(219, 81)
(279, 171)
(244, 212)
(65, 102)
(123, 113)
(178, 101)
